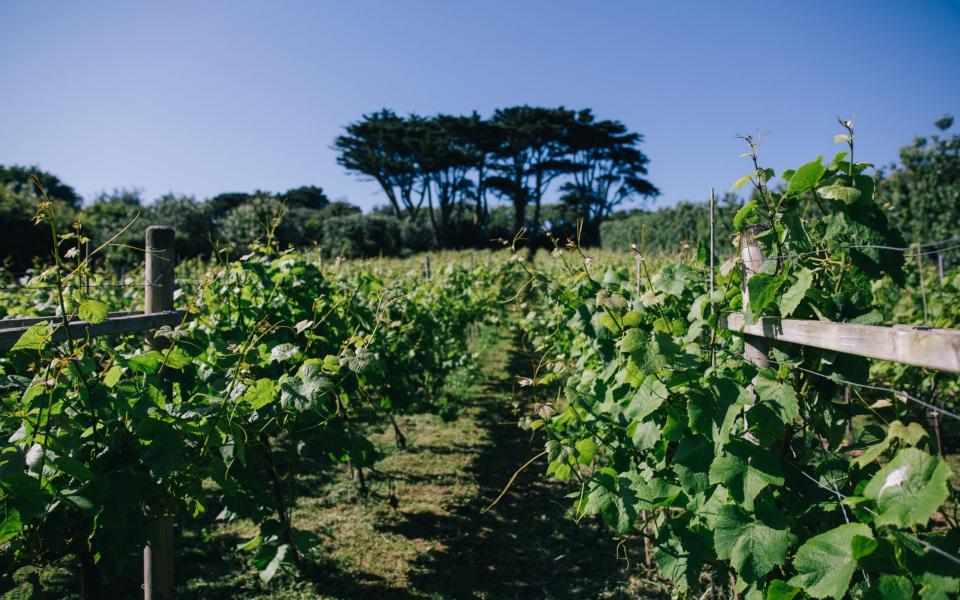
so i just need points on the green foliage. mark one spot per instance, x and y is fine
(279, 363)
(743, 471)
(672, 230)
(358, 236)
(922, 192)
(825, 563)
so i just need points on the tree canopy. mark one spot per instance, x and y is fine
(923, 191)
(447, 164)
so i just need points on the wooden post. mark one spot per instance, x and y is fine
(89, 268)
(638, 267)
(647, 546)
(755, 348)
(940, 267)
(160, 261)
(846, 400)
(712, 204)
(158, 297)
(923, 285)
(426, 267)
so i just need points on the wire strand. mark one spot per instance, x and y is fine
(897, 393)
(840, 497)
(872, 247)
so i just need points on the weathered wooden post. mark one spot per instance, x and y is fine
(713, 202)
(426, 267)
(160, 256)
(89, 268)
(755, 348)
(923, 285)
(637, 270)
(940, 266)
(160, 263)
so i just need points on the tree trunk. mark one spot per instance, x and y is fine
(481, 207)
(536, 200)
(519, 210)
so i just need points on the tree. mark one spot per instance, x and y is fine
(357, 236)
(923, 191)
(117, 216)
(447, 155)
(531, 153)
(384, 147)
(670, 230)
(20, 181)
(221, 204)
(608, 169)
(481, 141)
(307, 196)
(263, 219)
(23, 241)
(191, 220)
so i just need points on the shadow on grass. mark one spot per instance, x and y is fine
(527, 546)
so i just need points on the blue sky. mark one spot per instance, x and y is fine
(205, 97)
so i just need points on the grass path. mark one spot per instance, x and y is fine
(436, 543)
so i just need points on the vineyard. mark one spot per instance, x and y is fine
(663, 397)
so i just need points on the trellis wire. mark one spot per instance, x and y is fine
(99, 286)
(840, 497)
(873, 247)
(897, 393)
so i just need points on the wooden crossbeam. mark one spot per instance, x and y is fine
(24, 321)
(115, 324)
(918, 346)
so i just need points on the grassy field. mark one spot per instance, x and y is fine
(435, 541)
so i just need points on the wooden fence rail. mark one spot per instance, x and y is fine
(918, 346)
(113, 325)
(160, 260)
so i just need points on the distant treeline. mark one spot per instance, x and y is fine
(442, 177)
(449, 166)
(228, 224)
(669, 230)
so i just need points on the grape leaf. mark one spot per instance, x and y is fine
(268, 572)
(586, 448)
(283, 352)
(909, 489)
(34, 338)
(745, 470)
(794, 294)
(260, 394)
(649, 397)
(752, 547)
(847, 195)
(806, 177)
(93, 311)
(779, 395)
(763, 290)
(11, 525)
(825, 562)
(890, 587)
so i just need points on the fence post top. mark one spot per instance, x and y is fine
(160, 236)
